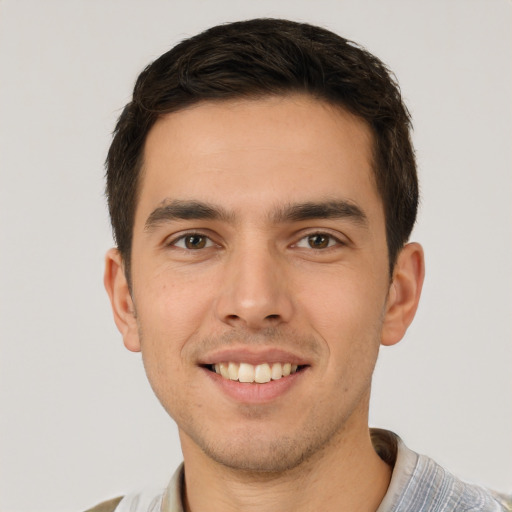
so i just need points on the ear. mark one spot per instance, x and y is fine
(123, 308)
(404, 293)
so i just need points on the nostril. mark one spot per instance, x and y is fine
(272, 317)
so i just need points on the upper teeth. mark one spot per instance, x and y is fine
(261, 373)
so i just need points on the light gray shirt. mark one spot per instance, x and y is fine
(418, 484)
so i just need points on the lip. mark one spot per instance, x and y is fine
(253, 393)
(252, 356)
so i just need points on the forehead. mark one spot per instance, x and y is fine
(269, 151)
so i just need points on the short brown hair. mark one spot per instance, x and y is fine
(264, 57)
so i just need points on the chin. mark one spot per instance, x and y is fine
(260, 452)
(277, 456)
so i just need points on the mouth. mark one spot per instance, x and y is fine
(254, 374)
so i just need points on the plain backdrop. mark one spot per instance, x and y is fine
(78, 421)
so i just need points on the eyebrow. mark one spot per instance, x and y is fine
(339, 209)
(197, 210)
(185, 210)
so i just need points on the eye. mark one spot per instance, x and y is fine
(317, 241)
(192, 241)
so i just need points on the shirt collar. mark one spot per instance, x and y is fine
(388, 445)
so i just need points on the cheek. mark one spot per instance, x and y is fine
(170, 312)
(343, 302)
(172, 304)
(346, 311)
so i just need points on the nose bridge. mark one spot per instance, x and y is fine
(254, 289)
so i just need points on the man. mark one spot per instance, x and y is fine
(262, 189)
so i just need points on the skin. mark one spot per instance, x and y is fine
(256, 279)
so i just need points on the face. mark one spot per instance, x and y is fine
(259, 249)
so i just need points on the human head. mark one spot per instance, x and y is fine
(258, 58)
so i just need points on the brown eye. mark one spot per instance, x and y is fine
(195, 241)
(318, 241)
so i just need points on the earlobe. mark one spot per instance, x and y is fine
(404, 293)
(123, 308)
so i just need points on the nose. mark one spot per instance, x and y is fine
(255, 291)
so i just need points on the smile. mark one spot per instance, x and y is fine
(249, 373)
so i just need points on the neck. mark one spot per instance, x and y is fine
(347, 475)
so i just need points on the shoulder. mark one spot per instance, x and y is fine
(150, 500)
(505, 500)
(106, 506)
(435, 483)
(419, 483)
(146, 501)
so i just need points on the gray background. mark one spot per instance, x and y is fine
(78, 421)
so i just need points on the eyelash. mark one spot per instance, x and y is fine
(332, 241)
(183, 238)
